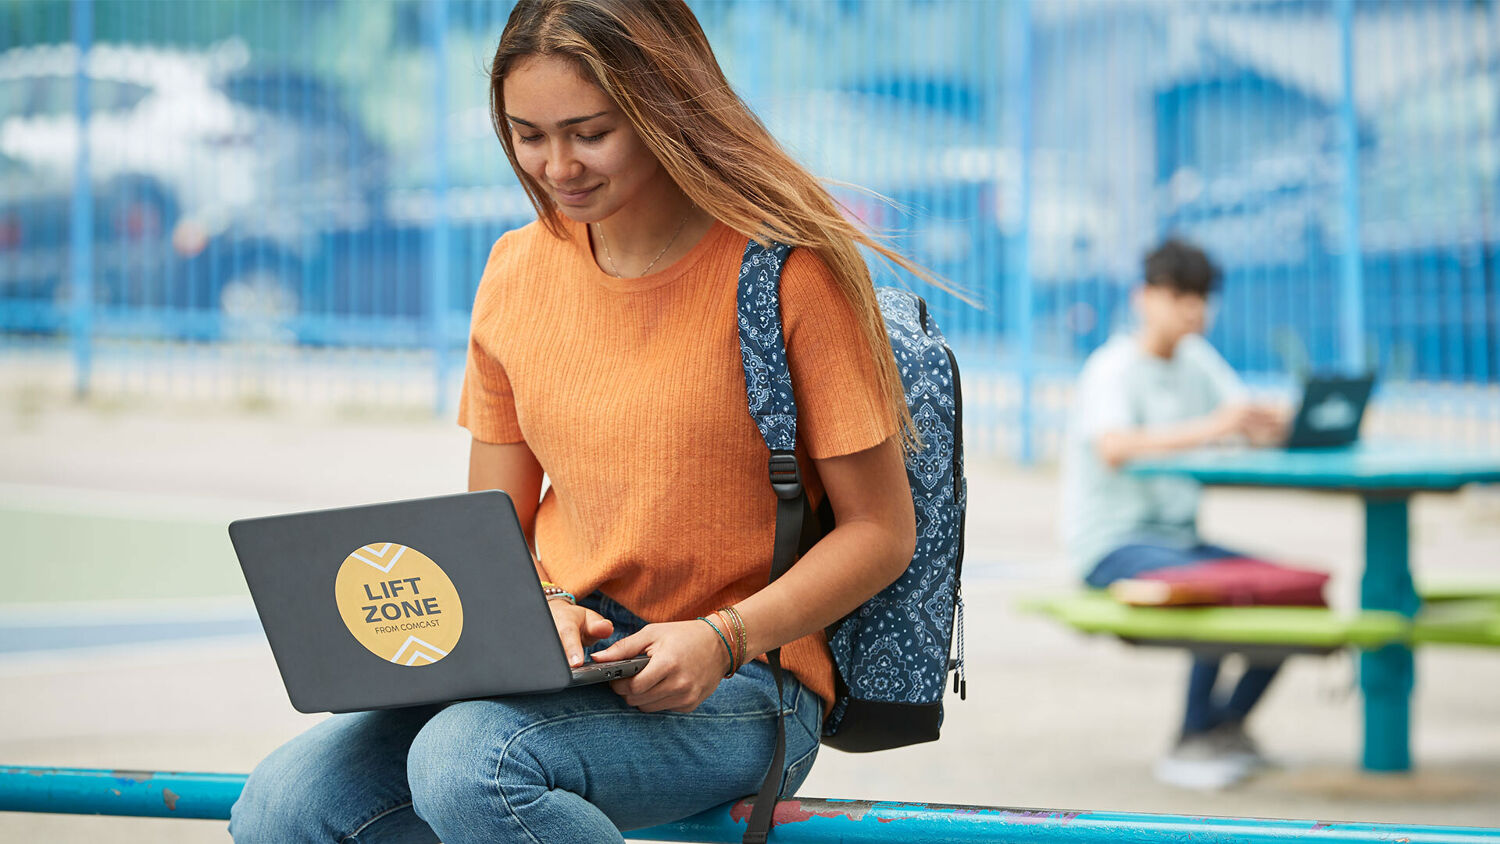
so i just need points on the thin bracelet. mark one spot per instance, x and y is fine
(737, 625)
(720, 634)
(742, 638)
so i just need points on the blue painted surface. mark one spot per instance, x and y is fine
(1351, 264)
(438, 273)
(188, 795)
(76, 791)
(863, 822)
(1367, 467)
(1021, 332)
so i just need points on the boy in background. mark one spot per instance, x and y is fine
(1155, 391)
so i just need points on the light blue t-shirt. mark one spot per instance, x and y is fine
(1123, 387)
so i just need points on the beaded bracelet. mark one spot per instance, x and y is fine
(732, 616)
(720, 634)
(552, 590)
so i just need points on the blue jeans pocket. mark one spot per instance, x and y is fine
(802, 740)
(797, 772)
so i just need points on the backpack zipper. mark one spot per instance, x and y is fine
(960, 685)
(958, 429)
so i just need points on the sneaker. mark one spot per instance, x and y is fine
(1235, 738)
(1208, 761)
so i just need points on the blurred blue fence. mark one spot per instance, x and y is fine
(190, 191)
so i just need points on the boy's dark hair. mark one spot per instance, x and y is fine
(1181, 267)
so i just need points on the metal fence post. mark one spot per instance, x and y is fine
(1021, 307)
(81, 215)
(1351, 258)
(754, 78)
(438, 238)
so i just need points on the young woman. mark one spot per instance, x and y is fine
(604, 354)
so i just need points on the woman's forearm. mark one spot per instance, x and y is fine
(1116, 448)
(513, 468)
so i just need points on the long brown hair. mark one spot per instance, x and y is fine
(652, 59)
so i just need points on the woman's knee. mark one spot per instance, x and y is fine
(277, 805)
(454, 762)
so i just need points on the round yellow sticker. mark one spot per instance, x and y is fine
(399, 604)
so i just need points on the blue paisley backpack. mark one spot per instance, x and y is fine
(892, 653)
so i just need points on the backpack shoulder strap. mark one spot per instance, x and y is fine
(768, 379)
(768, 389)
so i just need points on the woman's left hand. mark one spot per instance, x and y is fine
(687, 662)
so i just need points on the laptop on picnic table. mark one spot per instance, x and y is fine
(404, 603)
(1331, 411)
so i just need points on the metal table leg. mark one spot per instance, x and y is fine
(1386, 676)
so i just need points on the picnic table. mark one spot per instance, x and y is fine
(1385, 476)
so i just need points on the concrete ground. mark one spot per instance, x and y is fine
(125, 507)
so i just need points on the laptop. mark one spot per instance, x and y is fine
(405, 603)
(1331, 411)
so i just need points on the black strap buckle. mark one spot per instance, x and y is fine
(786, 479)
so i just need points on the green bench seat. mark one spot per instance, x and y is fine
(1442, 589)
(1247, 630)
(1458, 611)
(1456, 618)
(1458, 621)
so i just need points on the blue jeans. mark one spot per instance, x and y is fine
(1204, 710)
(576, 765)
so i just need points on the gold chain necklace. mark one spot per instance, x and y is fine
(614, 267)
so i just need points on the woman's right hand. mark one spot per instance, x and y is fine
(577, 628)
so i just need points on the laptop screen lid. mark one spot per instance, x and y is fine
(401, 603)
(1331, 411)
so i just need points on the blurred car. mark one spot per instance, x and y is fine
(36, 249)
(210, 169)
(33, 232)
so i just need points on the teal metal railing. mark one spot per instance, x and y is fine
(210, 796)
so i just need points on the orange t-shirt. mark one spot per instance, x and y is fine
(631, 395)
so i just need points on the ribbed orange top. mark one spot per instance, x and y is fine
(631, 395)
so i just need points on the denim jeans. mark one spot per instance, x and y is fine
(572, 766)
(1204, 710)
